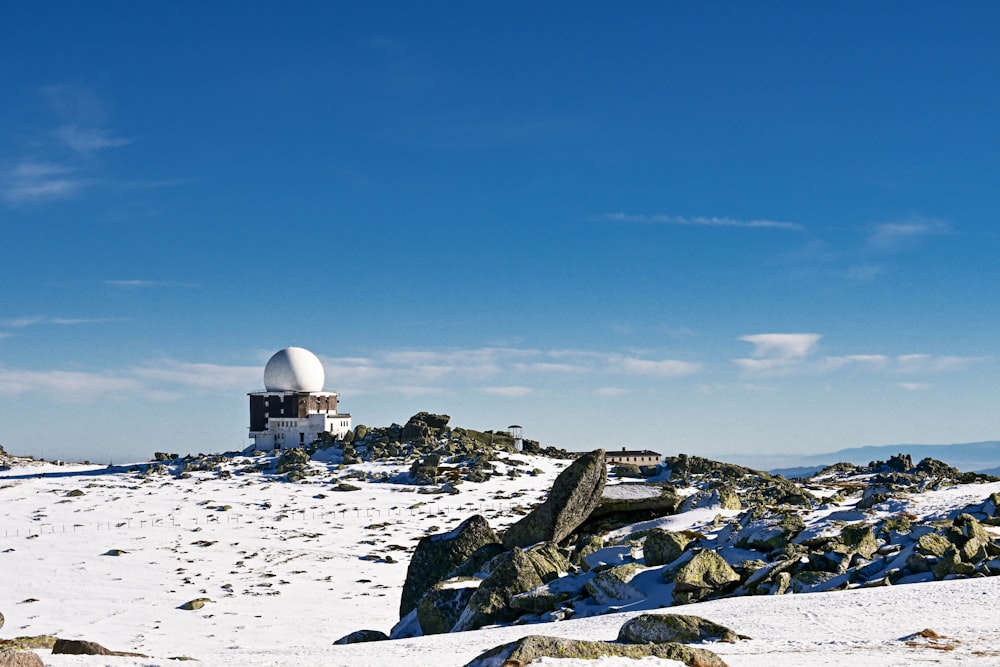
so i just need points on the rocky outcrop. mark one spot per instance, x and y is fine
(574, 495)
(613, 585)
(511, 573)
(623, 504)
(527, 649)
(707, 573)
(439, 610)
(663, 546)
(662, 628)
(437, 555)
(81, 647)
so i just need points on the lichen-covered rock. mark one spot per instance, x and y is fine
(440, 608)
(527, 649)
(970, 537)
(770, 533)
(359, 636)
(662, 628)
(538, 600)
(437, 555)
(511, 573)
(663, 546)
(623, 504)
(932, 544)
(574, 495)
(706, 573)
(194, 605)
(292, 460)
(612, 585)
(548, 560)
(16, 658)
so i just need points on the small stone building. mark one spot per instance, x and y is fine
(638, 457)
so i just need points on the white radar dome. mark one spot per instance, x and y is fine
(294, 369)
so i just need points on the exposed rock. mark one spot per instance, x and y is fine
(440, 608)
(359, 636)
(1, 620)
(529, 648)
(574, 495)
(663, 546)
(194, 605)
(538, 600)
(437, 555)
(661, 628)
(290, 460)
(623, 504)
(706, 573)
(769, 533)
(15, 658)
(548, 560)
(81, 647)
(612, 585)
(511, 573)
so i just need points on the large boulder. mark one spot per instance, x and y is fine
(613, 585)
(663, 546)
(622, 504)
(706, 573)
(439, 610)
(437, 555)
(16, 658)
(525, 650)
(82, 647)
(574, 495)
(511, 573)
(660, 628)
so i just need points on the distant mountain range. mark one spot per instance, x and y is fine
(968, 457)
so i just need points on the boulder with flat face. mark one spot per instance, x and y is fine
(437, 555)
(574, 495)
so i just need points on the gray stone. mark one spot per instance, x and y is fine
(437, 555)
(359, 636)
(15, 658)
(439, 610)
(663, 546)
(706, 573)
(612, 585)
(511, 573)
(574, 495)
(525, 650)
(661, 628)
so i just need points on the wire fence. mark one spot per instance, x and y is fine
(227, 517)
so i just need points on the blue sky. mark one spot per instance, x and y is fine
(726, 229)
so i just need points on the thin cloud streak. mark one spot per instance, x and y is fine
(88, 140)
(702, 221)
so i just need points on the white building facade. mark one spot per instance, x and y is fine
(293, 410)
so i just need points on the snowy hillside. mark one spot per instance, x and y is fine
(282, 569)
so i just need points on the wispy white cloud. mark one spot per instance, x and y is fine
(87, 140)
(36, 182)
(22, 322)
(65, 386)
(702, 221)
(659, 368)
(905, 235)
(611, 392)
(914, 386)
(508, 392)
(137, 284)
(782, 345)
(786, 354)
(200, 376)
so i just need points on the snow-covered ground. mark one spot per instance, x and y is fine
(291, 567)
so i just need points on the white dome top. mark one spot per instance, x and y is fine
(294, 369)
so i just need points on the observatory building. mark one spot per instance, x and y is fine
(293, 410)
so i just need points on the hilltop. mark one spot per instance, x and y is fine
(260, 558)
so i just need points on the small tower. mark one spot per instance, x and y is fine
(293, 410)
(515, 432)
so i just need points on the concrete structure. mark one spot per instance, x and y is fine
(639, 457)
(293, 410)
